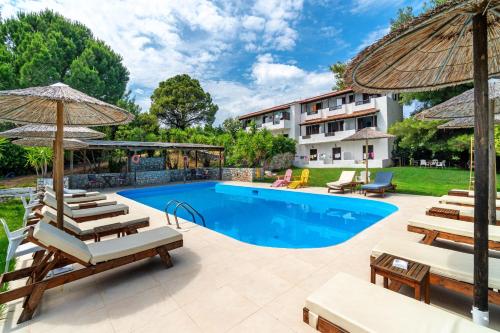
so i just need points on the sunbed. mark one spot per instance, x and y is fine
(461, 201)
(302, 181)
(450, 269)
(348, 304)
(283, 180)
(458, 231)
(382, 183)
(345, 180)
(87, 214)
(77, 197)
(62, 249)
(465, 193)
(456, 212)
(117, 225)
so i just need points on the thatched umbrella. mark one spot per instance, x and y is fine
(68, 144)
(366, 134)
(49, 131)
(455, 43)
(464, 122)
(58, 105)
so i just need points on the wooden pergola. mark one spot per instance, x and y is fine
(137, 146)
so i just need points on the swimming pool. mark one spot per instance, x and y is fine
(268, 217)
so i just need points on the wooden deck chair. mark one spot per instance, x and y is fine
(345, 180)
(118, 225)
(348, 304)
(87, 214)
(465, 193)
(455, 212)
(302, 181)
(77, 196)
(461, 201)
(458, 231)
(450, 269)
(62, 249)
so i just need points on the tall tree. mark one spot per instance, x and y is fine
(404, 15)
(44, 48)
(181, 102)
(338, 70)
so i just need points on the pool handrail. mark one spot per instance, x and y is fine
(187, 207)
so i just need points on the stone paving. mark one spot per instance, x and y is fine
(219, 284)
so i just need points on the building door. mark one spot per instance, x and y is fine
(371, 155)
(336, 153)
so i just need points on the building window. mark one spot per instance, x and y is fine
(343, 100)
(312, 129)
(313, 154)
(285, 135)
(371, 155)
(268, 118)
(335, 126)
(336, 153)
(351, 99)
(370, 121)
(285, 115)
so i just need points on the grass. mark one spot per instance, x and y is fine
(412, 180)
(12, 212)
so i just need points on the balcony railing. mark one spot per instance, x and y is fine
(365, 101)
(329, 133)
(306, 136)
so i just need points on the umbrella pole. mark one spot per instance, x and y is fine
(482, 171)
(59, 163)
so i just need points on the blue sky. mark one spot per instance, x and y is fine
(248, 54)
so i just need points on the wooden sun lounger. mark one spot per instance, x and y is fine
(348, 304)
(455, 212)
(462, 201)
(465, 193)
(62, 249)
(458, 231)
(78, 197)
(119, 225)
(449, 269)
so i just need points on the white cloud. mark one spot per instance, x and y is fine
(363, 6)
(372, 37)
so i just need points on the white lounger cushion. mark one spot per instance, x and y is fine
(443, 262)
(98, 252)
(460, 200)
(359, 306)
(49, 200)
(455, 227)
(120, 247)
(346, 177)
(84, 228)
(101, 203)
(77, 197)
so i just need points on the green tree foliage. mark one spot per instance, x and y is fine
(403, 16)
(44, 48)
(40, 158)
(232, 126)
(13, 160)
(338, 70)
(181, 102)
(3, 144)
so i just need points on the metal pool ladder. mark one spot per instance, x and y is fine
(187, 207)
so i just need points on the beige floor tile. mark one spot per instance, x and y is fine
(175, 322)
(130, 314)
(291, 269)
(220, 310)
(261, 322)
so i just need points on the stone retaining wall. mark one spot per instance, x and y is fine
(160, 177)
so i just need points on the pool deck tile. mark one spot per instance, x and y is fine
(219, 284)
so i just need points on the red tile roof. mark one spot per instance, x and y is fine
(286, 106)
(362, 113)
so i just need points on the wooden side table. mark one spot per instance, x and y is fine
(444, 212)
(416, 276)
(109, 229)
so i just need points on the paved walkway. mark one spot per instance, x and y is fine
(219, 284)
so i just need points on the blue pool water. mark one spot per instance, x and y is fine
(267, 217)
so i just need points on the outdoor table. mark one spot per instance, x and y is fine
(416, 276)
(444, 212)
(106, 230)
(108, 179)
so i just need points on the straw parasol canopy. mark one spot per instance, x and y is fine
(49, 131)
(79, 109)
(465, 122)
(430, 52)
(455, 43)
(366, 134)
(58, 105)
(462, 106)
(68, 144)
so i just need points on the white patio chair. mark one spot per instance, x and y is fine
(434, 162)
(28, 209)
(423, 163)
(361, 177)
(441, 164)
(15, 248)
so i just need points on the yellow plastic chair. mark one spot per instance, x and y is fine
(303, 181)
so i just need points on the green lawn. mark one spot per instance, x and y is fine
(413, 180)
(12, 212)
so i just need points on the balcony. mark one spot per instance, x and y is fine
(325, 137)
(280, 125)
